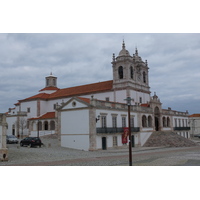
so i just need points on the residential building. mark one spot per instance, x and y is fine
(194, 121)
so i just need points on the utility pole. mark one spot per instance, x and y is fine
(128, 99)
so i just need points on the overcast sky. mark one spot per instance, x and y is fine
(77, 59)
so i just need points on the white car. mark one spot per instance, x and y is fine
(11, 139)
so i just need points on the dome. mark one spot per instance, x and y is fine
(124, 52)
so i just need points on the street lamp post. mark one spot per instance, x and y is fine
(38, 129)
(128, 99)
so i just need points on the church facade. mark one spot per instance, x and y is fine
(94, 116)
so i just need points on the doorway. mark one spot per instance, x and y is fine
(157, 118)
(156, 124)
(104, 145)
(133, 140)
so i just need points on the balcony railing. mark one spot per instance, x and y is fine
(181, 128)
(116, 130)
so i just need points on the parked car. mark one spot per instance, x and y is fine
(31, 141)
(11, 139)
(197, 135)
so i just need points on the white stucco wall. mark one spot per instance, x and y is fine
(120, 96)
(194, 125)
(75, 129)
(80, 142)
(11, 120)
(33, 108)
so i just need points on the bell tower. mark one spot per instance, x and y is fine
(130, 73)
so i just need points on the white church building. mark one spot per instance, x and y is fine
(95, 116)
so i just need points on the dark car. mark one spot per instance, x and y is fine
(11, 139)
(31, 141)
(197, 135)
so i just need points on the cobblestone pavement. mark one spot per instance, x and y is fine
(54, 155)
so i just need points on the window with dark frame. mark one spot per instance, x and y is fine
(103, 122)
(114, 122)
(120, 72)
(123, 122)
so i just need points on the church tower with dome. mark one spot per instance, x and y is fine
(131, 73)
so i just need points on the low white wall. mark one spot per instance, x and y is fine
(166, 129)
(144, 136)
(41, 133)
(75, 141)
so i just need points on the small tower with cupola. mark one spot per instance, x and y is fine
(51, 81)
(50, 84)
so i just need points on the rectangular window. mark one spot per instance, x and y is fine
(114, 141)
(54, 106)
(132, 121)
(179, 122)
(107, 99)
(28, 110)
(103, 121)
(140, 99)
(123, 121)
(114, 122)
(183, 122)
(175, 122)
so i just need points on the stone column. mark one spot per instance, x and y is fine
(58, 125)
(139, 119)
(92, 129)
(3, 147)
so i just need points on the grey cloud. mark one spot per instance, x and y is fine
(78, 59)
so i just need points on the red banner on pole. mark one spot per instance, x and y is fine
(125, 136)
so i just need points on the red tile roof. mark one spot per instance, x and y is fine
(37, 96)
(87, 100)
(83, 89)
(145, 105)
(49, 88)
(195, 115)
(48, 115)
(74, 91)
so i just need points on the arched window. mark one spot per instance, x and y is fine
(120, 72)
(52, 125)
(144, 77)
(149, 121)
(47, 82)
(40, 125)
(131, 72)
(144, 121)
(46, 126)
(168, 122)
(156, 111)
(54, 82)
(164, 122)
(34, 126)
(13, 129)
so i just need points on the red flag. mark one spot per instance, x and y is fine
(125, 136)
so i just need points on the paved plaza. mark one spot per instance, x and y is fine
(51, 154)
